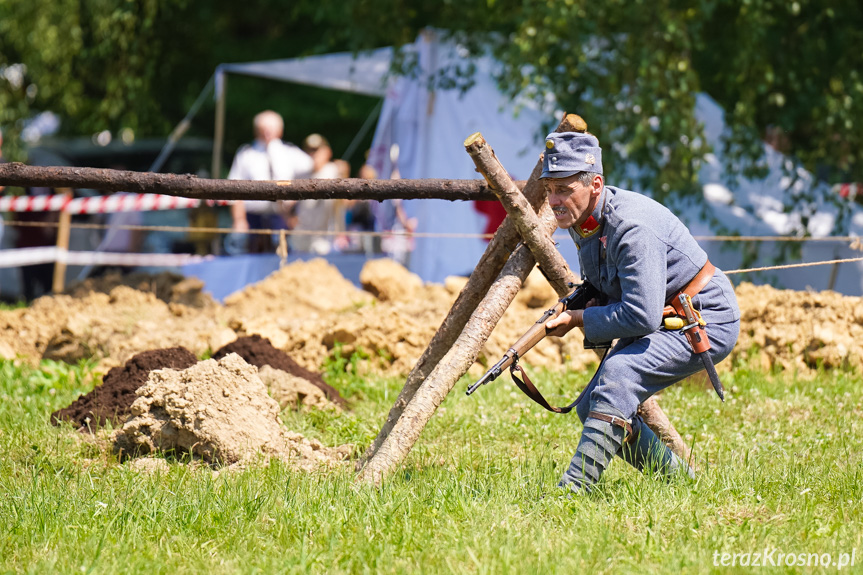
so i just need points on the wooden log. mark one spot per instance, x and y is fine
(552, 263)
(454, 364)
(63, 232)
(189, 186)
(653, 415)
(487, 269)
(539, 241)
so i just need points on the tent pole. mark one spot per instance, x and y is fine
(181, 128)
(362, 133)
(219, 135)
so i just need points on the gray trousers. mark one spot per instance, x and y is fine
(637, 368)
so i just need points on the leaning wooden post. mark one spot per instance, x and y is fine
(526, 221)
(454, 364)
(487, 269)
(552, 263)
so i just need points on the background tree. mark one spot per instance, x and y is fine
(115, 65)
(787, 70)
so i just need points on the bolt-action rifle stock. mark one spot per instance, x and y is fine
(576, 300)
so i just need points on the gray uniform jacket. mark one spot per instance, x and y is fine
(640, 256)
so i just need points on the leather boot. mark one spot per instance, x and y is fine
(647, 451)
(600, 441)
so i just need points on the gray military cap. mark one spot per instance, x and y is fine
(567, 153)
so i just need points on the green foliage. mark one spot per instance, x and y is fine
(96, 62)
(120, 65)
(632, 68)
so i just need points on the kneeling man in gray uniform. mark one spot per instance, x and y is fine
(641, 258)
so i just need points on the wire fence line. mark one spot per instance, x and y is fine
(854, 242)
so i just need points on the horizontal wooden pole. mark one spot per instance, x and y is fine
(190, 186)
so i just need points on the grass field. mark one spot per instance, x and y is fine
(781, 471)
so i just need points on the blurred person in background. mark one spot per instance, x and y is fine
(266, 158)
(317, 216)
(391, 220)
(2, 161)
(37, 279)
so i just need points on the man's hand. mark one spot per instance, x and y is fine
(562, 324)
(240, 226)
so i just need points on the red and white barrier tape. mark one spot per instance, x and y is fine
(51, 254)
(100, 204)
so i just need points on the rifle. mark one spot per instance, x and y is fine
(576, 300)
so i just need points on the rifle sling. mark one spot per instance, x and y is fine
(529, 389)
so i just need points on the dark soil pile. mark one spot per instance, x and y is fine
(111, 400)
(258, 351)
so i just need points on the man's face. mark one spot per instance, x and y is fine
(571, 201)
(270, 133)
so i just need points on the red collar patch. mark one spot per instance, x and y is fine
(588, 228)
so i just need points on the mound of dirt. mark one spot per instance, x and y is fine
(388, 280)
(291, 391)
(393, 334)
(297, 291)
(258, 351)
(309, 311)
(125, 322)
(800, 330)
(108, 327)
(111, 400)
(167, 286)
(218, 411)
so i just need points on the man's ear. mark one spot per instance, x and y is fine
(597, 185)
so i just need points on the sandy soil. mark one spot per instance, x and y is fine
(310, 311)
(220, 412)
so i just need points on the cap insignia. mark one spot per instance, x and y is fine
(590, 159)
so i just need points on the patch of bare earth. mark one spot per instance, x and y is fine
(110, 327)
(258, 351)
(800, 330)
(218, 412)
(111, 400)
(310, 311)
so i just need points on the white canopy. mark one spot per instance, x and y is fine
(429, 128)
(363, 73)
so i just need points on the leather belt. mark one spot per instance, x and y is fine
(698, 283)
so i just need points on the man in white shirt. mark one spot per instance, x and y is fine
(267, 158)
